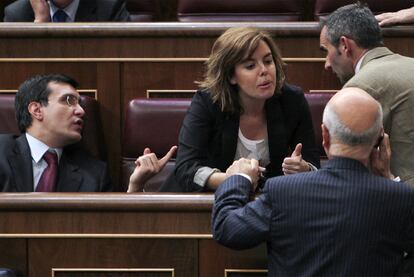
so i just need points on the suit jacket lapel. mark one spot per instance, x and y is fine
(276, 133)
(86, 11)
(21, 165)
(229, 140)
(69, 177)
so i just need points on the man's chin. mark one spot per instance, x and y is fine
(74, 139)
(343, 79)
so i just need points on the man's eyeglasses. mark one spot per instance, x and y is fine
(71, 100)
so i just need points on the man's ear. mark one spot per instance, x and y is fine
(35, 109)
(326, 140)
(347, 45)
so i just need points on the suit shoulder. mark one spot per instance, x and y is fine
(7, 142)
(112, 10)
(18, 11)
(203, 98)
(291, 90)
(17, 4)
(203, 95)
(291, 98)
(290, 93)
(109, 4)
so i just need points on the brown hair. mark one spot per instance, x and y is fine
(232, 47)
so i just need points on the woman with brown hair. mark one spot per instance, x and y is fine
(244, 109)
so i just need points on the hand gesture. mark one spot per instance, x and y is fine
(295, 163)
(147, 166)
(249, 167)
(41, 10)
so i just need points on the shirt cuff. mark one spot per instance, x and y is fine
(245, 176)
(202, 175)
(312, 167)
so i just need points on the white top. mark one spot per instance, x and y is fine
(253, 149)
(37, 150)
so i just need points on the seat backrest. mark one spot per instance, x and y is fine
(317, 102)
(236, 10)
(8, 123)
(155, 123)
(141, 10)
(325, 7)
(92, 130)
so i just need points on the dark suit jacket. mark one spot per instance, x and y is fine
(338, 221)
(88, 11)
(78, 171)
(208, 137)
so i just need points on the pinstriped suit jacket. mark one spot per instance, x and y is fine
(338, 221)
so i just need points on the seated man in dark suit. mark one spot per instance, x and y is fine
(339, 221)
(66, 11)
(45, 157)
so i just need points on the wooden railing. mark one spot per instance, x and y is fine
(57, 234)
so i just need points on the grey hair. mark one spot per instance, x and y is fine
(354, 21)
(345, 135)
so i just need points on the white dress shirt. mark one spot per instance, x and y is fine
(70, 10)
(37, 150)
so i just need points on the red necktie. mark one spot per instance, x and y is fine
(48, 179)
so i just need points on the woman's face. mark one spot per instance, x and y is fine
(256, 76)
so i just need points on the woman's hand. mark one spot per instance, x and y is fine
(147, 166)
(295, 163)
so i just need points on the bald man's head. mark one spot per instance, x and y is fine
(353, 118)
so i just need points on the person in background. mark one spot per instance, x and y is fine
(244, 108)
(341, 220)
(355, 52)
(405, 16)
(66, 11)
(45, 157)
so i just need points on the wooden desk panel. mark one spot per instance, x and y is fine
(180, 255)
(81, 232)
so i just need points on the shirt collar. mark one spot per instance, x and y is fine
(70, 10)
(38, 148)
(359, 63)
